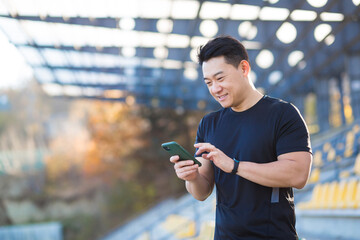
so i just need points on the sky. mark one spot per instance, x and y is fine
(14, 72)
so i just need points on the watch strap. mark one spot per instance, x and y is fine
(236, 166)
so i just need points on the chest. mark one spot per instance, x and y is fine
(244, 138)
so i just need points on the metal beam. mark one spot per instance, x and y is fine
(322, 65)
(303, 34)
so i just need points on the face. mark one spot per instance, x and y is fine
(227, 84)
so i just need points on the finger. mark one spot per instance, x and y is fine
(211, 155)
(174, 158)
(186, 174)
(187, 169)
(208, 157)
(181, 164)
(206, 149)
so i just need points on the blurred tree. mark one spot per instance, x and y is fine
(125, 152)
(96, 146)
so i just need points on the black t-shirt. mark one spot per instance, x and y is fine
(246, 210)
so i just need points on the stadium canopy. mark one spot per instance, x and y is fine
(144, 51)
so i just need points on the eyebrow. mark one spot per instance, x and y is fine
(218, 73)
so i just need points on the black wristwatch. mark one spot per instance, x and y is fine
(236, 166)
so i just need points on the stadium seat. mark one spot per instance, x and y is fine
(356, 128)
(315, 175)
(334, 195)
(340, 196)
(353, 196)
(318, 162)
(314, 199)
(323, 196)
(326, 147)
(357, 165)
(349, 146)
(345, 174)
(180, 226)
(331, 155)
(333, 191)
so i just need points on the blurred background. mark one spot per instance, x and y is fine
(90, 89)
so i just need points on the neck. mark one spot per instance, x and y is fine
(249, 100)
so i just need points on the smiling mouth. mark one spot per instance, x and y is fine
(222, 97)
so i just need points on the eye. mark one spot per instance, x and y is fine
(208, 83)
(220, 78)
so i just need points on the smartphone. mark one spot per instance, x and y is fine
(173, 148)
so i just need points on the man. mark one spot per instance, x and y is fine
(255, 149)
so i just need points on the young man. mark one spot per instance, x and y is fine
(255, 149)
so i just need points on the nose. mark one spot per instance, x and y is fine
(216, 88)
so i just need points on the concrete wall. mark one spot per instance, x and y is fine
(339, 224)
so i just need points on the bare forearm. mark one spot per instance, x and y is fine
(263, 174)
(199, 188)
(285, 173)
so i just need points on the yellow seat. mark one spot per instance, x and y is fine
(356, 128)
(333, 189)
(318, 162)
(353, 197)
(180, 226)
(331, 155)
(314, 198)
(315, 175)
(345, 174)
(324, 196)
(326, 147)
(357, 165)
(357, 196)
(340, 195)
(349, 146)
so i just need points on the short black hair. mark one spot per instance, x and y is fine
(227, 46)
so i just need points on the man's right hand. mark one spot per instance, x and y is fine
(186, 169)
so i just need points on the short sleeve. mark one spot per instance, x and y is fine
(292, 133)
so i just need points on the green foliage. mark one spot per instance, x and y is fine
(82, 228)
(129, 198)
(119, 154)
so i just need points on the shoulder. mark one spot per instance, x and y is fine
(275, 102)
(280, 106)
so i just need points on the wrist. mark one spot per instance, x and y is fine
(193, 179)
(236, 166)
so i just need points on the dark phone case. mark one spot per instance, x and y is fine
(173, 148)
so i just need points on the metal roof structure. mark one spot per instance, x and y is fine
(144, 51)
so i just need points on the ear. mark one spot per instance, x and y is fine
(244, 67)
